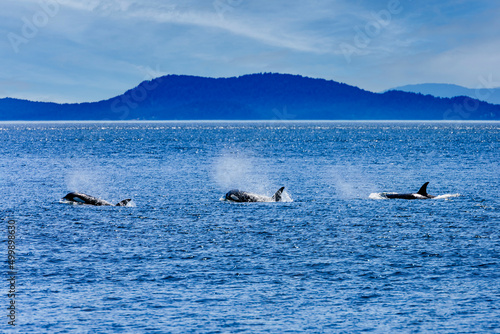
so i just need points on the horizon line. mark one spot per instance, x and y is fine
(255, 121)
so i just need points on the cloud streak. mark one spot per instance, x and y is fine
(235, 21)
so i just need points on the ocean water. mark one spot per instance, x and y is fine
(335, 256)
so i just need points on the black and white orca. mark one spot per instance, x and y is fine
(236, 195)
(90, 200)
(421, 194)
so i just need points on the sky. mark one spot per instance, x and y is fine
(81, 51)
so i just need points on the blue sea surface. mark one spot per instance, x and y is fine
(335, 256)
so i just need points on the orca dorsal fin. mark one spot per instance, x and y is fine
(423, 189)
(277, 197)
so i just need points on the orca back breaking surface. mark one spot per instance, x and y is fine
(124, 202)
(91, 200)
(236, 195)
(421, 194)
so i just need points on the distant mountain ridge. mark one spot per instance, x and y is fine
(267, 96)
(490, 95)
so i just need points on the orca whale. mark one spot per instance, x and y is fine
(90, 200)
(236, 195)
(421, 194)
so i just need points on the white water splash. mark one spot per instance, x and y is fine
(447, 196)
(286, 197)
(377, 196)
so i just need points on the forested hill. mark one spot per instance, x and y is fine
(254, 97)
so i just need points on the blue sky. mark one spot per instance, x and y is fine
(76, 51)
